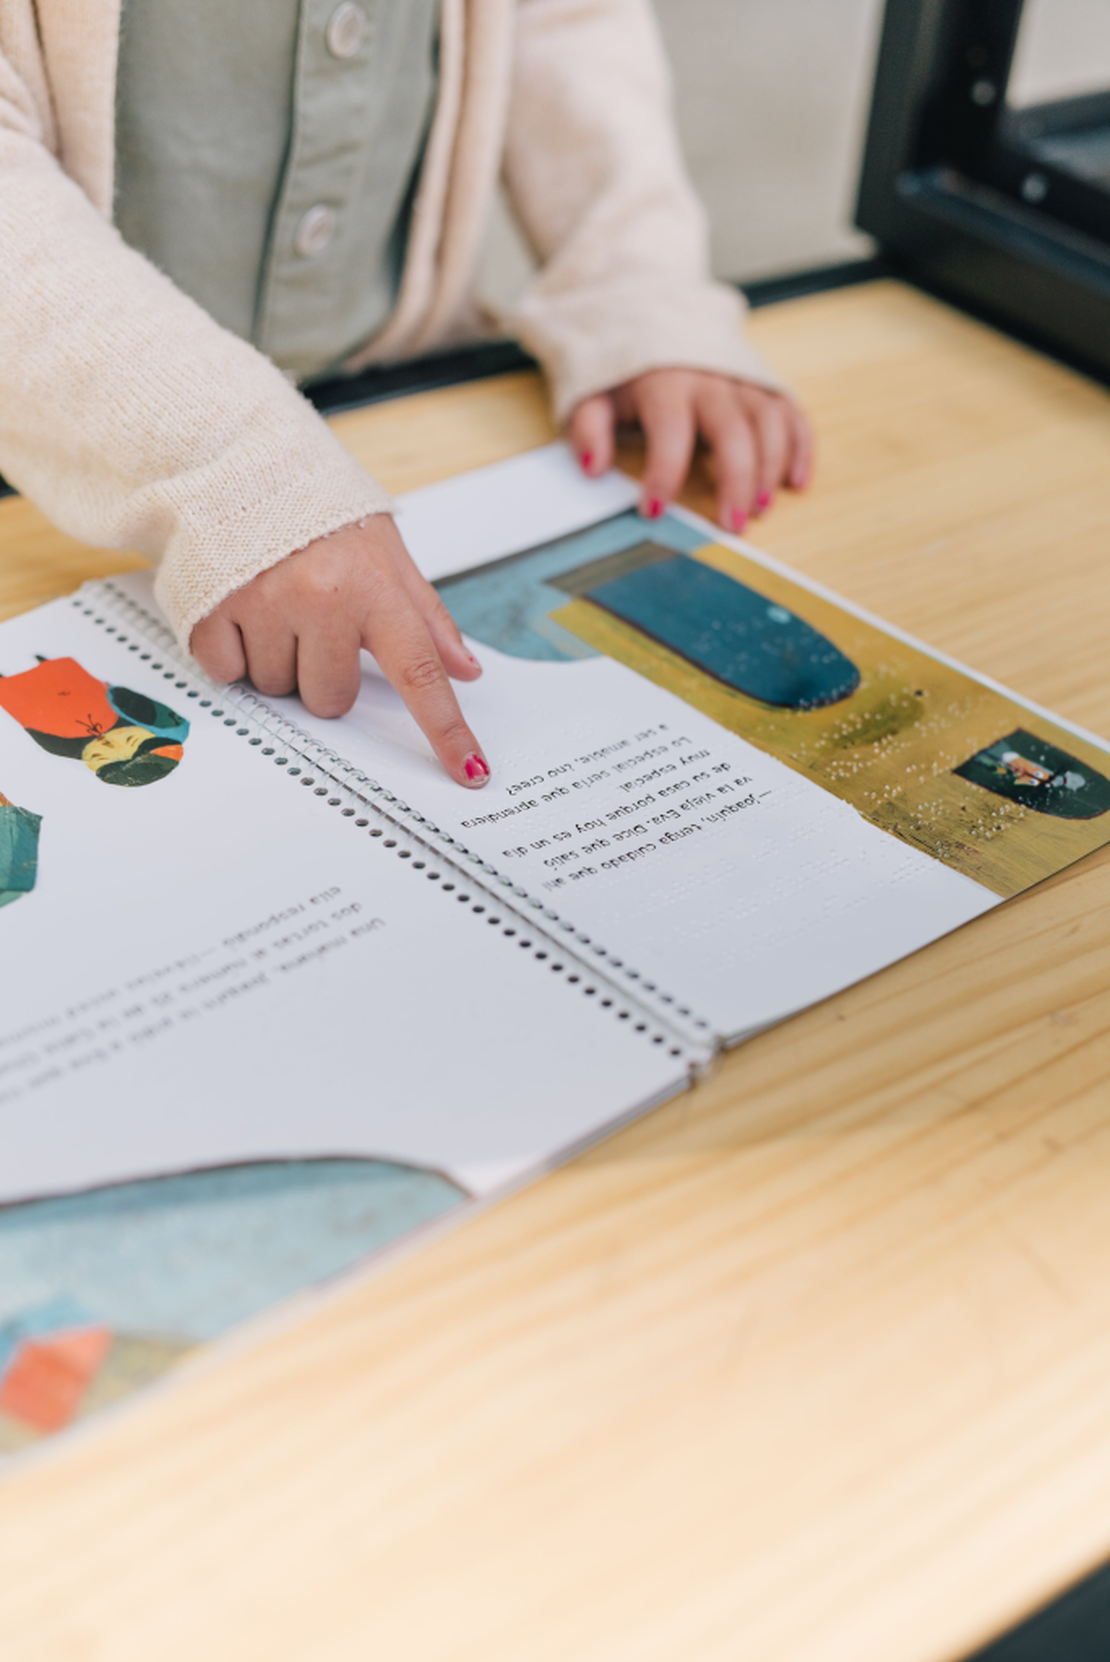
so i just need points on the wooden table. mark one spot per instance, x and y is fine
(811, 1365)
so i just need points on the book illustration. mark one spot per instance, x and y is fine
(877, 722)
(106, 1290)
(19, 850)
(721, 626)
(49, 1356)
(122, 736)
(1023, 768)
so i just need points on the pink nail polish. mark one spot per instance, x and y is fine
(654, 508)
(763, 501)
(476, 769)
(739, 519)
(587, 460)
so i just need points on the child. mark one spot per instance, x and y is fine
(301, 186)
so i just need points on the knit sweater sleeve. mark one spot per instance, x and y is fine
(595, 176)
(130, 417)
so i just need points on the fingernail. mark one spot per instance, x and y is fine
(587, 459)
(654, 508)
(476, 769)
(763, 501)
(739, 519)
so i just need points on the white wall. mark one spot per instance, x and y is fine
(772, 97)
(1063, 49)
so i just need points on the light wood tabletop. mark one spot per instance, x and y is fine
(812, 1365)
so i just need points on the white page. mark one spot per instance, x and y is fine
(746, 895)
(218, 967)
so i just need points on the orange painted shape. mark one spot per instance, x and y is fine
(173, 751)
(84, 1348)
(47, 1378)
(58, 697)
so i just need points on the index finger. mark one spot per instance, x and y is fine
(400, 640)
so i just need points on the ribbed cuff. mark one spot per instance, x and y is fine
(291, 501)
(592, 340)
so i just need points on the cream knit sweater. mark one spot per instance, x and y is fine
(135, 421)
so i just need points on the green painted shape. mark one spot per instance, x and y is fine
(1072, 790)
(19, 851)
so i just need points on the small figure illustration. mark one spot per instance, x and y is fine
(1028, 770)
(19, 850)
(124, 737)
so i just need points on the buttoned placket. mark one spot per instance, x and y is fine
(362, 89)
(330, 91)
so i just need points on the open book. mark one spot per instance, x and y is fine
(236, 934)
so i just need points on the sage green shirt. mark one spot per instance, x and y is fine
(266, 154)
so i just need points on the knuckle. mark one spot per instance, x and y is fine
(318, 588)
(454, 732)
(716, 394)
(380, 584)
(421, 673)
(217, 662)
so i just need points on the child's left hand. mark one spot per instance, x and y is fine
(758, 440)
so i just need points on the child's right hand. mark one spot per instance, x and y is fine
(299, 627)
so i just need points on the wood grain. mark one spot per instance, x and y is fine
(809, 1366)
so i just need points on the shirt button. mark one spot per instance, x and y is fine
(346, 30)
(315, 231)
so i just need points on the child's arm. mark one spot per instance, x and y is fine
(623, 314)
(135, 421)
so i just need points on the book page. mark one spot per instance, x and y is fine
(211, 958)
(635, 793)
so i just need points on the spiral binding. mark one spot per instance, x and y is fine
(404, 830)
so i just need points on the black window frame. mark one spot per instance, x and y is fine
(957, 187)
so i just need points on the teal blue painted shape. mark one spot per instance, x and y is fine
(137, 710)
(190, 1256)
(19, 851)
(506, 603)
(54, 1315)
(731, 632)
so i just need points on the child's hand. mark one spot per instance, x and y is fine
(758, 439)
(299, 626)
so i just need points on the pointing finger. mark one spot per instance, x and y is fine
(402, 644)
